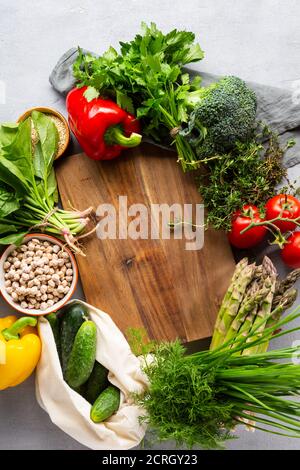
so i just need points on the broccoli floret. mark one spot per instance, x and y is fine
(225, 114)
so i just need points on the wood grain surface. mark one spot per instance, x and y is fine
(153, 284)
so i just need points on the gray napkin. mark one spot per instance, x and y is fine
(277, 107)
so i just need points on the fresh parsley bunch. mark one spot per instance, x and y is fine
(146, 78)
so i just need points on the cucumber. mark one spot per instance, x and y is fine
(97, 382)
(72, 317)
(106, 404)
(83, 355)
(81, 390)
(55, 326)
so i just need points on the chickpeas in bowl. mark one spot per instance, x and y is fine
(39, 276)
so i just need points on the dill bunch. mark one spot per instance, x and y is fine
(197, 399)
(183, 400)
(248, 174)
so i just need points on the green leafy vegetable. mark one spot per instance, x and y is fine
(147, 77)
(28, 189)
(5, 228)
(91, 93)
(248, 174)
(138, 341)
(15, 238)
(7, 132)
(8, 201)
(18, 154)
(211, 126)
(197, 399)
(47, 144)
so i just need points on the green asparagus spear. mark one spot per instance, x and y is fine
(287, 301)
(227, 298)
(230, 305)
(263, 312)
(285, 285)
(238, 269)
(268, 276)
(249, 304)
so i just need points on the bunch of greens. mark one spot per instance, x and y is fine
(197, 399)
(28, 189)
(212, 127)
(147, 79)
(248, 174)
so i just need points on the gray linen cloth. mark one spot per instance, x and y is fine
(279, 108)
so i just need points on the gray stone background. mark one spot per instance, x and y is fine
(259, 40)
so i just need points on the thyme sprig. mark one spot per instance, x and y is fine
(247, 175)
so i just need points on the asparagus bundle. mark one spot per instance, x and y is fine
(254, 293)
(198, 399)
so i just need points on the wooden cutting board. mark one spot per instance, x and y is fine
(153, 284)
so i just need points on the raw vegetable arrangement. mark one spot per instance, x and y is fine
(75, 337)
(147, 78)
(214, 127)
(28, 192)
(199, 398)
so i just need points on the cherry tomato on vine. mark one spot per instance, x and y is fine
(291, 251)
(286, 206)
(240, 221)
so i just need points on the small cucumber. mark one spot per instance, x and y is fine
(97, 382)
(55, 326)
(72, 317)
(106, 404)
(83, 355)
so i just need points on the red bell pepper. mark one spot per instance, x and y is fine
(102, 128)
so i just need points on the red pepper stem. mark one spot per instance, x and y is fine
(13, 331)
(114, 135)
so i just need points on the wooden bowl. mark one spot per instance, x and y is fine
(47, 110)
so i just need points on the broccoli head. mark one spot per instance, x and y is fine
(223, 115)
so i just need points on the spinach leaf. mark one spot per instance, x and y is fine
(46, 147)
(15, 238)
(8, 132)
(8, 202)
(19, 153)
(7, 228)
(12, 176)
(38, 160)
(52, 186)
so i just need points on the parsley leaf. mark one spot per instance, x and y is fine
(146, 78)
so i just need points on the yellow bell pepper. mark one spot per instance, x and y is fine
(20, 350)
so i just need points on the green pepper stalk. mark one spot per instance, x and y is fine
(13, 331)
